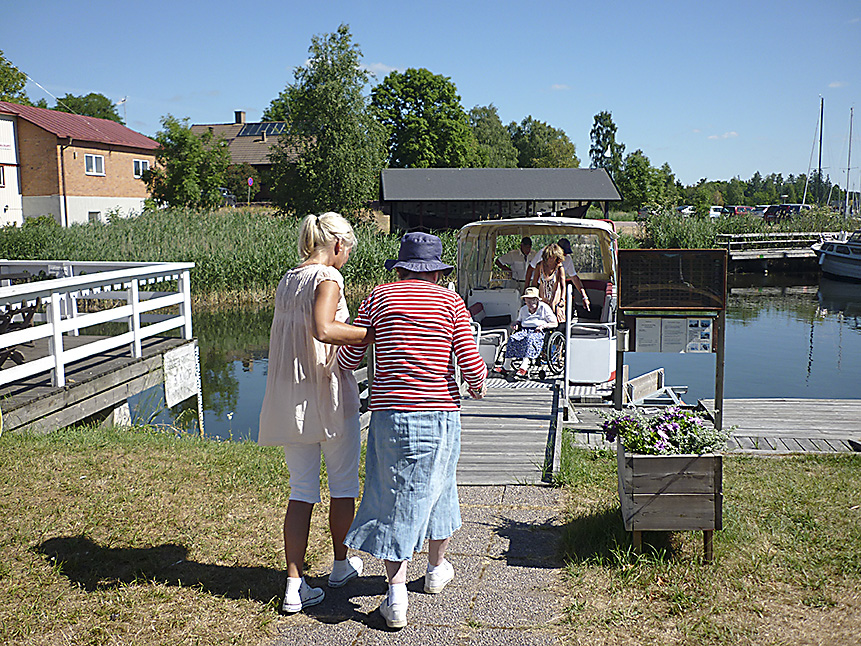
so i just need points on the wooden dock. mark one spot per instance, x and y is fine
(510, 436)
(772, 426)
(763, 426)
(93, 385)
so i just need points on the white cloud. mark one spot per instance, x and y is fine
(380, 70)
(559, 87)
(837, 84)
(727, 135)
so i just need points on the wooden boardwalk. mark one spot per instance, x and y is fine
(764, 426)
(509, 436)
(92, 385)
(771, 426)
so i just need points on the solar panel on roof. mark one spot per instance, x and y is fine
(272, 128)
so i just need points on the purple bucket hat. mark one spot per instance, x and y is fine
(420, 252)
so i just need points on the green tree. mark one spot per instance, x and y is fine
(92, 105)
(540, 145)
(495, 149)
(427, 125)
(189, 169)
(236, 181)
(640, 183)
(605, 151)
(331, 156)
(12, 82)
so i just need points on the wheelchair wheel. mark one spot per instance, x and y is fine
(555, 353)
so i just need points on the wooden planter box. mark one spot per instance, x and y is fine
(671, 493)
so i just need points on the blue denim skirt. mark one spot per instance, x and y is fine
(410, 483)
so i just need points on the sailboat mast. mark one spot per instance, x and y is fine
(848, 164)
(819, 187)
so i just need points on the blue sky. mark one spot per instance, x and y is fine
(715, 89)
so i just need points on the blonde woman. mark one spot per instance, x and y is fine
(311, 406)
(550, 279)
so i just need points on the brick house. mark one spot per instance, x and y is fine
(76, 169)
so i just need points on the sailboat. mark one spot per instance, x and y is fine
(840, 257)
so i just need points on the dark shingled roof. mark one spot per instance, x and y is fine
(541, 184)
(64, 124)
(250, 150)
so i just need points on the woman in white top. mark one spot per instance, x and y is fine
(311, 406)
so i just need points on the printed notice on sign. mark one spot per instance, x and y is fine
(699, 335)
(674, 335)
(648, 337)
(180, 374)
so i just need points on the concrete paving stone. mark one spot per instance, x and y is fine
(532, 496)
(414, 634)
(526, 537)
(472, 538)
(317, 633)
(511, 637)
(512, 597)
(480, 494)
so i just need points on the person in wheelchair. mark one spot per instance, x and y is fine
(527, 340)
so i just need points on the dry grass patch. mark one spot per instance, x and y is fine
(141, 537)
(787, 566)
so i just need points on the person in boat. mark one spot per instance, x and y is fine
(526, 343)
(414, 436)
(311, 406)
(517, 260)
(533, 273)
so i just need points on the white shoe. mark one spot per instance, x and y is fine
(441, 576)
(351, 570)
(395, 614)
(305, 597)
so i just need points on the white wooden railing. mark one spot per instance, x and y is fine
(103, 282)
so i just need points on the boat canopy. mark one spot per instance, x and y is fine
(593, 244)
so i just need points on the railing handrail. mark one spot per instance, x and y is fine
(42, 288)
(60, 297)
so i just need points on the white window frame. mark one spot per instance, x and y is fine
(94, 162)
(140, 165)
(2, 176)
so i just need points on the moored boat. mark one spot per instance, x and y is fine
(841, 257)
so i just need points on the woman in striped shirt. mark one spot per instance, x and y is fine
(414, 437)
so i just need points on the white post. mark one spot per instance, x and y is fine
(569, 305)
(55, 342)
(185, 307)
(135, 319)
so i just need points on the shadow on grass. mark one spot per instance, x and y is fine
(599, 536)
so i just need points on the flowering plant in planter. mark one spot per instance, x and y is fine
(672, 430)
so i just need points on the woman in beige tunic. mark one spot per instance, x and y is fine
(311, 407)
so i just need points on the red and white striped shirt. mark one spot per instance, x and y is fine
(417, 324)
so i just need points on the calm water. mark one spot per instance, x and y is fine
(786, 337)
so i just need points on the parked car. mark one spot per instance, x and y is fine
(737, 210)
(778, 212)
(716, 211)
(686, 211)
(227, 198)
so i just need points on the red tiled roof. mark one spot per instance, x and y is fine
(81, 128)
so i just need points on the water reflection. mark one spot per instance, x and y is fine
(787, 336)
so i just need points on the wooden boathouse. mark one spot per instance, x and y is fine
(77, 339)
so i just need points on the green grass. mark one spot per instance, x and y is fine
(787, 565)
(140, 536)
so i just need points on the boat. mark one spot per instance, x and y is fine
(840, 256)
(588, 338)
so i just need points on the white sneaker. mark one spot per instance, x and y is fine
(437, 580)
(395, 614)
(352, 569)
(305, 597)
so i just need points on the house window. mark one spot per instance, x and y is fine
(2, 178)
(140, 166)
(94, 216)
(94, 164)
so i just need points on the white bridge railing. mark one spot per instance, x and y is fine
(52, 303)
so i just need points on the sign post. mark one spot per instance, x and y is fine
(250, 183)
